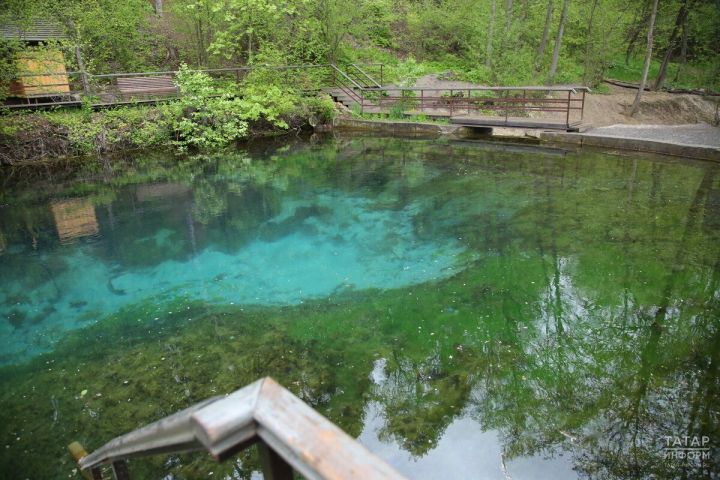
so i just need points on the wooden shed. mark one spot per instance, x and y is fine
(41, 71)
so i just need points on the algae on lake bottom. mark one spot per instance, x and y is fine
(558, 311)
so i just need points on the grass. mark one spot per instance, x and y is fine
(404, 117)
(689, 76)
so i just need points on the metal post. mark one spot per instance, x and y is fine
(273, 465)
(381, 74)
(507, 103)
(451, 102)
(582, 106)
(567, 118)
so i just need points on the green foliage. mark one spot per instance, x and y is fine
(698, 75)
(8, 68)
(205, 117)
(317, 110)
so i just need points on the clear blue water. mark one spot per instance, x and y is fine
(313, 245)
(463, 309)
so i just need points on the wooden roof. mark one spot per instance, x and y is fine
(38, 30)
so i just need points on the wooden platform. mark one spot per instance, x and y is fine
(513, 122)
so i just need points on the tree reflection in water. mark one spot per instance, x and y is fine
(583, 326)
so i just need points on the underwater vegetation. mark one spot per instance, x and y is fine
(556, 313)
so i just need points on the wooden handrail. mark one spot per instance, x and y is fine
(291, 432)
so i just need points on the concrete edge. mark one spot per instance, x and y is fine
(393, 127)
(633, 144)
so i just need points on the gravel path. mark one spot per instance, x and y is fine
(699, 134)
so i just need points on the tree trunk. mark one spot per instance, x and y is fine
(159, 8)
(648, 57)
(588, 43)
(491, 27)
(558, 43)
(683, 48)
(672, 43)
(546, 34)
(508, 21)
(634, 33)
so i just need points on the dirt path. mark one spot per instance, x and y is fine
(657, 108)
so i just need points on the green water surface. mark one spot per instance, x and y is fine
(464, 309)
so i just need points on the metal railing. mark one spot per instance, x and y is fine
(362, 77)
(357, 82)
(566, 104)
(347, 84)
(100, 90)
(290, 435)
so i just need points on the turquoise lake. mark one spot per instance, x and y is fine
(464, 309)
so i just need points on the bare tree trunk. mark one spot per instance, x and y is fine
(159, 8)
(588, 43)
(558, 43)
(634, 32)
(508, 21)
(683, 48)
(672, 43)
(648, 57)
(546, 34)
(491, 27)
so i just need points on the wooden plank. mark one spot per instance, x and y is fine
(34, 80)
(229, 422)
(295, 434)
(170, 434)
(146, 85)
(313, 445)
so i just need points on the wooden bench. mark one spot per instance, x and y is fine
(146, 85)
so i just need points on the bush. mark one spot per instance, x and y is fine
(205, 117)
(317, 110)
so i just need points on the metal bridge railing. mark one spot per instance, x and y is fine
(564, 104)
(290, 435)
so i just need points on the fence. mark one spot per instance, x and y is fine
(290, 435)
(100, 90)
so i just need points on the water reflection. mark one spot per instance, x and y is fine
(572, 325)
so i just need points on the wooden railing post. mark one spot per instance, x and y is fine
(120, 470)
(83, 73)
(273, 465)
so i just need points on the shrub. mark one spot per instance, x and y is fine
(205, 117)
